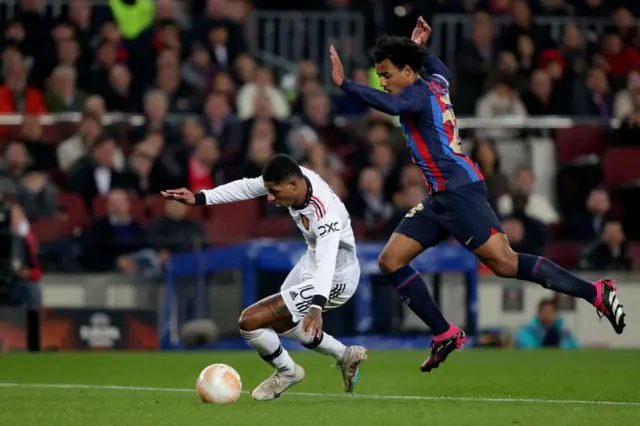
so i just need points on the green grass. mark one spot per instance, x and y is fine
(469, 378)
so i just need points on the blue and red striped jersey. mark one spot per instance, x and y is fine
(429, 125)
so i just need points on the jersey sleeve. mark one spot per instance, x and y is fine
(408, 101)
(327, 231)
(433, 65)
(239, 190)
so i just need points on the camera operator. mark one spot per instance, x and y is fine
(20, 268)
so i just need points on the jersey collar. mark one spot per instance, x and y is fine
(307, 199)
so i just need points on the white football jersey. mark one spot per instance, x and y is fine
(323, 221)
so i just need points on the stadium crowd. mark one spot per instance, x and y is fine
(90, 191)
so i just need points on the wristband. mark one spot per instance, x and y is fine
(319, 301)
(200, 199)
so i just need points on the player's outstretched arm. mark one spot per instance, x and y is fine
(239, 190)
(385, 102)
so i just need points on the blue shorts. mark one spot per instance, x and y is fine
(463, 212)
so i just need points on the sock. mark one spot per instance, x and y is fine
(267, 343)
(326, 344)
(542, 271)
(415, 294)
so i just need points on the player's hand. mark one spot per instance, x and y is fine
(421, 32)
(337, 71)
(182, 195)
(312, 323)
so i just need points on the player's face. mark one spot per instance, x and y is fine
(392, 78)
(283, 194)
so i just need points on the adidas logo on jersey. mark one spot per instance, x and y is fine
(293, 295)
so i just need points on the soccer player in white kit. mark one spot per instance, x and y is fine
(324, 278)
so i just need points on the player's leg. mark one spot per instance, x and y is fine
(504, 262)
(298, 299)
(418, 231)
(477, 226)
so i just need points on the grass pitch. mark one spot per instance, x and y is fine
(476, 387)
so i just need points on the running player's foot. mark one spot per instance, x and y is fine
(349, 366)
(608, 305)
(442, 346)
(275, 385)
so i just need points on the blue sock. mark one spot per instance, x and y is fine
(541, 270)
(415, 294)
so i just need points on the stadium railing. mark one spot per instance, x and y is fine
(450, 30)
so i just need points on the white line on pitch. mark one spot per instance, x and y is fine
(338, 395)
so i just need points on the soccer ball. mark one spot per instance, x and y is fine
(219, 384)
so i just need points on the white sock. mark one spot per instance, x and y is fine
(267, 343)
(326, 345)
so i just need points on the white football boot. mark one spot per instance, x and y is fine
(276, 384)
(349, 366)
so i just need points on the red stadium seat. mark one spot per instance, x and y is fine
(634, 252)
(222, 232)
(621, 166)
(577, 142)
(274, 227)
(74, 206)
(245, 212)
(47, 230)
(564, 254)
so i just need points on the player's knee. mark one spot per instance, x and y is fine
(247, 320)
(388, 263)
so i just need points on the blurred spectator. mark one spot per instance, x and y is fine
(112, 236)
(628, 133)
(383, 159)
(262, 83)
(64, 96)
(593, 8)
(525, 235)
(369, 202)
(15, 95)
(485, 155)
(538, 99)
(323, 162)
(594, 99)
(546, 330)
(42, 152)
(198, 68)
(501, 101)
(96, 106)
(140, 166)
(522, 24)
(37, 195)
(169, 234)
(25, 290)
(260, 150)
(620, 59)
(106, 58)
(245, 68)
(507, 71)
(526, 54)
(204, 169)
(13, 166)
(573, 50)
(94, 175)
(218, 118)
(77, 146)
(475, 59)
(587, 225)
(155, 112)
(300, 141)
(610, 252)
(626, 25)
(317, 115)
(120, 95)
(624, 104)
(537, 206)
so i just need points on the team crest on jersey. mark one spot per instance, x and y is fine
(305, 221)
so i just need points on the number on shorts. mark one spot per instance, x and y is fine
(415, 210)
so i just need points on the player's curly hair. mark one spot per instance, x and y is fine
(401, 51)
(281, 167)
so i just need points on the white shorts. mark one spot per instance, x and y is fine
(299, 287)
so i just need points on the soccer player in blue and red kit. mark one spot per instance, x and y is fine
(457, 203)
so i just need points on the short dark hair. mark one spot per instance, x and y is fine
(401, 51)
(281, 167)
(548, 302)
